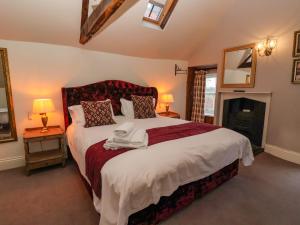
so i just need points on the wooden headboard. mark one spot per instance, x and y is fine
(109, 89)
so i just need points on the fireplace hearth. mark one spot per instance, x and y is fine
(246, 116)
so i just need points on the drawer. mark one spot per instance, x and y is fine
(41, 164)
(39, 139)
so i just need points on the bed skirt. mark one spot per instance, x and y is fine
(181, 198)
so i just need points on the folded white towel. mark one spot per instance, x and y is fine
(110, 144)
(138, 136)
(124, 129)
(126, 139)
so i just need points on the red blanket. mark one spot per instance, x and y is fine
(96, 156)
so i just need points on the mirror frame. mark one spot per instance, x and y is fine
(253, 68)
(10, 106)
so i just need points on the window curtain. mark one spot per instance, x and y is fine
(198, 96)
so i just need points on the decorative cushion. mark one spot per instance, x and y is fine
(77, 114)
(143, 107)
(97, 113)
(127, 108)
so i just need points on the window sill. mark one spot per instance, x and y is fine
(151, 25)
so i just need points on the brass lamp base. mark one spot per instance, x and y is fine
(44, 118)
(167, 109)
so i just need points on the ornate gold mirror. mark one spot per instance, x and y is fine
(239, 67)
(7, 116)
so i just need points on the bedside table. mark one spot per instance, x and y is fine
(45, 158)
(170, 114)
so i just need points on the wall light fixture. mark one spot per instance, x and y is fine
(266, 47)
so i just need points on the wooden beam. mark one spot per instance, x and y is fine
(98, 18)
(84, 12)
(168, 14)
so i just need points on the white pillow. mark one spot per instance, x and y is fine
(127, 108)
(77, 113)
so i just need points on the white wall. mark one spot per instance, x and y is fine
(252, 21)
(40, 70)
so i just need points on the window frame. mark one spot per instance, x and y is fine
(208, 75)
(165, 14)
(154, 3)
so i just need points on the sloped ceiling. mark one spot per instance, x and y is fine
(58, 22)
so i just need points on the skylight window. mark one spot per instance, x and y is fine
(159, 11)
(154, 10)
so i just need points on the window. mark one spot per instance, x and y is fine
(210, 94)
(154, 10)
(159, 11)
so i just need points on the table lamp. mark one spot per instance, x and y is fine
(167, 99)
(42, 107)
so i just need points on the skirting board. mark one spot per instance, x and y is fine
(13, 162)
(283, 153)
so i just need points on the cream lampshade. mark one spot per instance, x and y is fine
(42, 107)
(167, 99)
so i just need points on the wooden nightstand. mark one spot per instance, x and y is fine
(170, 114)
(45, 158)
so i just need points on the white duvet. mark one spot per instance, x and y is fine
(134, 180)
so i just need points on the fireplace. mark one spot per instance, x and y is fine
(247, 113)
(246, 116)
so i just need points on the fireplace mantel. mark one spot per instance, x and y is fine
(258, 96)
(247, 92)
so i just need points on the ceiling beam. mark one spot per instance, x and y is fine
(85, 12)
(90, 25)
(169, 13)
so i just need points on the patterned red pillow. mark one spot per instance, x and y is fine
(143, 107)
(97, 113)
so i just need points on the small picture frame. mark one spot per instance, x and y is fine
(296, 52)
(296, 72)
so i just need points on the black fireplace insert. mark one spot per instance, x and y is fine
(246, 116)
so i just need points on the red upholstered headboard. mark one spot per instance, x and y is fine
(109, 89)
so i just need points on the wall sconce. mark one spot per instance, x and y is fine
(266, 47)
(179, 70)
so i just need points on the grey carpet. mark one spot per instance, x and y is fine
(267, 193)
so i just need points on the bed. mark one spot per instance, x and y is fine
(147, 186)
